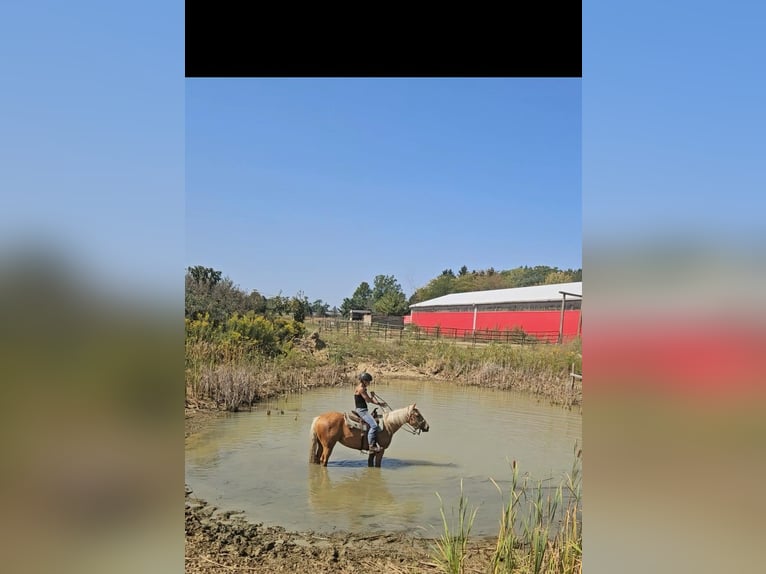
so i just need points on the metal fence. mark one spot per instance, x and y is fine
(415, 333)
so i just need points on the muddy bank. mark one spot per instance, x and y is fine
(222, 541)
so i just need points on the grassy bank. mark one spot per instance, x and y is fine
(231, 375)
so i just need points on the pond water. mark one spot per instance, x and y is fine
(258, 463)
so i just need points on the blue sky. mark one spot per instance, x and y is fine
(673, 121)
(316, 185)
(92, 139)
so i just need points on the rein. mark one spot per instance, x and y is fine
(411, 429)
(406, 426)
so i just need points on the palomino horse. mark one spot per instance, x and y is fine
(328, 429)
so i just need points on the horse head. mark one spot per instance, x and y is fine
(416, 420)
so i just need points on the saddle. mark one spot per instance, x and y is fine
(354, 421)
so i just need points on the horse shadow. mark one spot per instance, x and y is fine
(391, 462)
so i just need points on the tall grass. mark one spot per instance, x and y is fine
(540, 369)
(531, 538)
(450, 547)
(234, 380)
(539, 533)
(230, 368)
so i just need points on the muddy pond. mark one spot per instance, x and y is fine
(258, 462)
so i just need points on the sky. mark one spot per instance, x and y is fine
(317, 185)
(673, 122)
(92, 140)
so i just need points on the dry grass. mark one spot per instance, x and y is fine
(234, 377)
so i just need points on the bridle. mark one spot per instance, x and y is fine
(417, 427)
(411, 428)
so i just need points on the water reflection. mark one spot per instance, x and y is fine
(354, 499)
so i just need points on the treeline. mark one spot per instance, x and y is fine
(208, 293)
(484, 280)
(216, 298)
(387, 298)
(225, 322)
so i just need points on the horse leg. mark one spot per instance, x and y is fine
(314, 449)
(370, 459)
(378, 459)
(325, 456)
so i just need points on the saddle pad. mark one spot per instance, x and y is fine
(354, 421)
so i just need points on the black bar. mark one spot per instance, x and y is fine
(225, 39)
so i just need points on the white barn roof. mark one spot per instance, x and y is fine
(513, 295)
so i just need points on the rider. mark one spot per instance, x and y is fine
(361, 398)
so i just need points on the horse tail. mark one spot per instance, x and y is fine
(314, 441)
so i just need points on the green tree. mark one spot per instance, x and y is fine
(392, 303)
(441, 285)
(558, 277)
(201, 274)
(299, 306)
(207, 293)
(388, 297)
(278, 305)
(361, 299)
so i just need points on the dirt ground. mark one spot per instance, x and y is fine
(220, 540)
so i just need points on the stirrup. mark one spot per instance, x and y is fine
(375, 448)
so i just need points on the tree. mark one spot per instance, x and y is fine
(206, 275)
(255, 302)
(388, 297)
(207, 293)
(558, 277)
(277, 305)
(320, 308)
(392, 303)
(299, 306)
(361, 299)
(441, 285)
(463, 271)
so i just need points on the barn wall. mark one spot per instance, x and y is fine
(529, 321)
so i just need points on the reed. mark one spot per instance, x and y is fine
(449, 551)
(531, 538)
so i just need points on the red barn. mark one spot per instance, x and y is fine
(549, 312)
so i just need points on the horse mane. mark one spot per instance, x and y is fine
(394, 420)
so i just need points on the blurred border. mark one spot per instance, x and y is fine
(91, 287)
(673, 259)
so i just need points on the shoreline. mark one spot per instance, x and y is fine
(221, 540)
